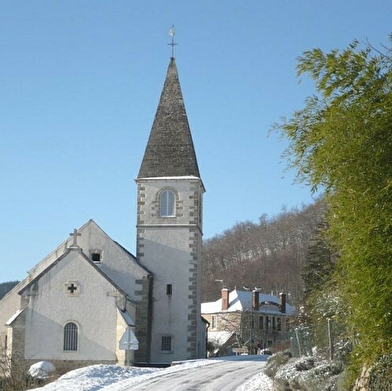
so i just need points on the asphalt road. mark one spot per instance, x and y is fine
(227, 375)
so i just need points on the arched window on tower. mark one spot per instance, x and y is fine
(70, 336)
(166, 203)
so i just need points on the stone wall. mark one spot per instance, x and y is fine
(143, 321)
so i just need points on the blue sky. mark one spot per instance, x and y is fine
(80, 83)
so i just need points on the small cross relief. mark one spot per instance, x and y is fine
(71, 288)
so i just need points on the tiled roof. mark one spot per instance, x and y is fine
(170, 151)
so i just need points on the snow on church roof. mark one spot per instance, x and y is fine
(13, 317)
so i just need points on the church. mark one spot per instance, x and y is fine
(90, 301)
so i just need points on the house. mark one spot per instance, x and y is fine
(91, 301)
(244, 321)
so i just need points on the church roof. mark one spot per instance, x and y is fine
(127, 318)
(170, 151)
(13, 317)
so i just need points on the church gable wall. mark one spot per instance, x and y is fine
(92, 307)
(116, 263)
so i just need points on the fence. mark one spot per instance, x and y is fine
(322, 336)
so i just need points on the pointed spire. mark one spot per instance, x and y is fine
(170, 150)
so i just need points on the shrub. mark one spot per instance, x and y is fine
(308, 374)
(14, 375)
(276, 361)
(380, 377)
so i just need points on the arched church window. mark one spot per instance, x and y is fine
(70, 336)
(166, 203)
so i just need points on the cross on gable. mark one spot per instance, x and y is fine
(75, 235)
(72, 288)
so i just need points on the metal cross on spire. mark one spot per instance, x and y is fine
(172, 43)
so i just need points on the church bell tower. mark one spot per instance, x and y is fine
(169, 230)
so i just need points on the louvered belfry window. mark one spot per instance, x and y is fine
(71, 336)
(166, 203)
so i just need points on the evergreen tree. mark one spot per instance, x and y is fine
(319, 263)
(322, 302)
(341, 141)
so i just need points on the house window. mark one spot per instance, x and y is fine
(96, 257)
(70, 336)
(279, 324)
(166, 343)
(169, 289)
(274, 323)
(267, 323)
(261, 322)
(214, 322)
(166, 203)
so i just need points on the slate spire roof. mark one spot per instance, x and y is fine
(170, 151)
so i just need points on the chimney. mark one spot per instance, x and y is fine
(255, 300)
(225, 299)
(282, 306)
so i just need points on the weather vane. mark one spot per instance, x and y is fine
(172, 43)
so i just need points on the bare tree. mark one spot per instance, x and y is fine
(271, 253)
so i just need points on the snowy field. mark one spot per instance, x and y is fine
(117, 378)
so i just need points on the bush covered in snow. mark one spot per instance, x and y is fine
(307, 374)
(275, 362)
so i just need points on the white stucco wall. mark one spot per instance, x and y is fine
(117, 263)
(93, 309)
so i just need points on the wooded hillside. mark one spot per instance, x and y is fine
(269, 254)
(5, 287)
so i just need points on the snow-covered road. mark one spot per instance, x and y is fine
(240, 373)
(226, 375)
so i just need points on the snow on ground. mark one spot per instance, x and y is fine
(114, 377)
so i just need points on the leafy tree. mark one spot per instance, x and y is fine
(341, 141)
